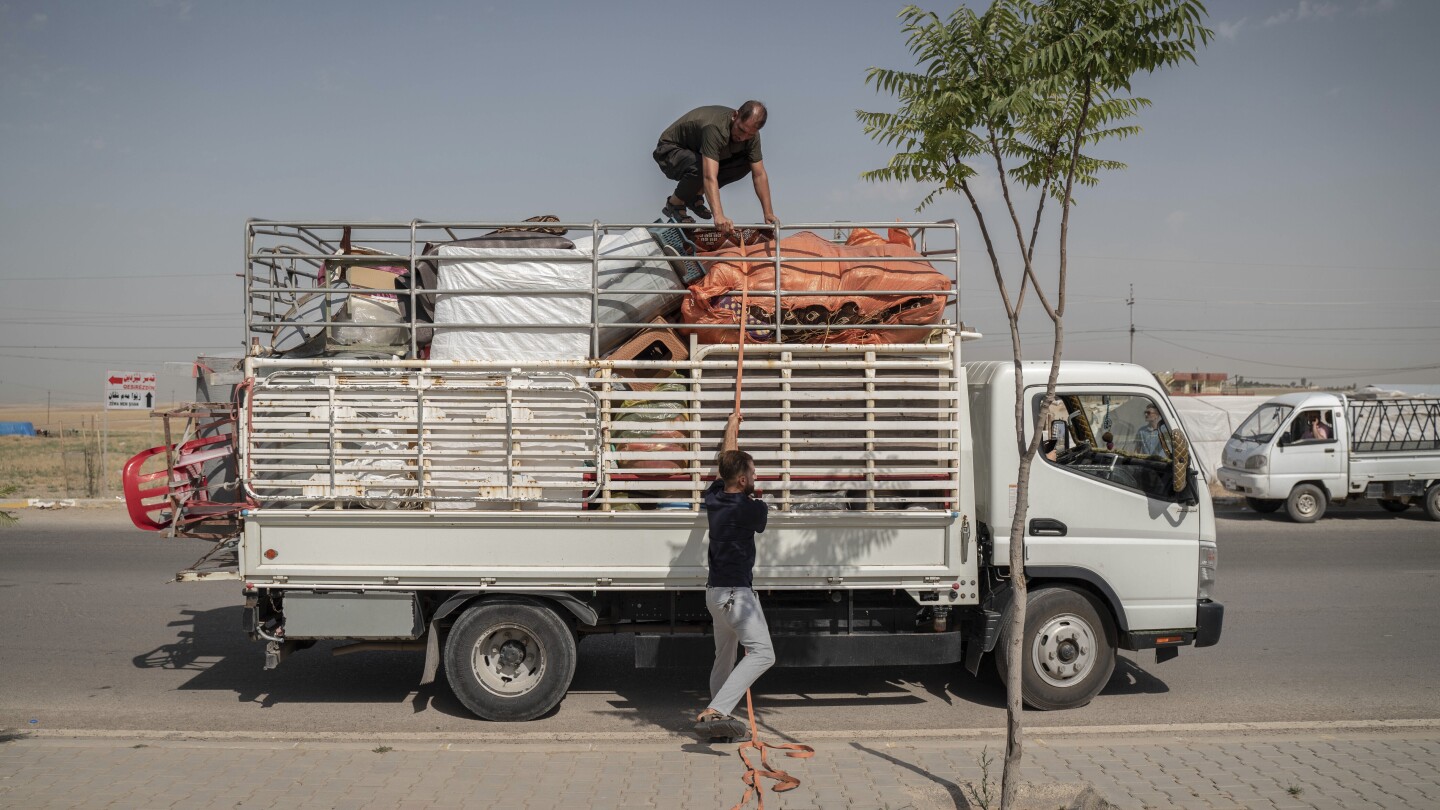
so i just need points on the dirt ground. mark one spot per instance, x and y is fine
(67, 463)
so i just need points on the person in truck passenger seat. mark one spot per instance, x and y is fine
(1150, 439)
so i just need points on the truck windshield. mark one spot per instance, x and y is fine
(1262, 424)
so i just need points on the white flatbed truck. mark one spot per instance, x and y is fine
(1386, 449)
(493, 514)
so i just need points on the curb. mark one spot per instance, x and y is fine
(590, 741)
(58, 504)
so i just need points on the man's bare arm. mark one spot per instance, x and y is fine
(732, 434)
(762, 191)
(710, 169)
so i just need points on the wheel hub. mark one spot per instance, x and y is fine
(1064, 650)
(509, 660)
(511, 654)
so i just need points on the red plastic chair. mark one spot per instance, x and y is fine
(149, 503)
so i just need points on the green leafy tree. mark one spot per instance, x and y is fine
(1022, 93)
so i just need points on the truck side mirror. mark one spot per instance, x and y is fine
(1179, 462)
(1059, 431)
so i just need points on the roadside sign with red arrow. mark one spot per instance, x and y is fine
(129, 390)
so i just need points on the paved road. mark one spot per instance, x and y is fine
(1334, 621)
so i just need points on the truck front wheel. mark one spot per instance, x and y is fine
(510, 661)
(1066, 655)
(1432, 501)
(1306, 503)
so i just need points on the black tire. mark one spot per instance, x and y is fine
(1061, 623)
(1306, 503)
(1394, 506)
(1432, 501)
(527, 668)
(1264, 505)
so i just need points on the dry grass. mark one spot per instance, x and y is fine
(55, 467)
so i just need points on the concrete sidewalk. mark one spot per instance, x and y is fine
(1317, 765)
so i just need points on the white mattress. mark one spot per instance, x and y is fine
(567, 337)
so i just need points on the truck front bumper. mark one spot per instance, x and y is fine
(1243, 483)
(1209, 621)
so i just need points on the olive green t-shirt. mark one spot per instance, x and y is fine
(707, 130)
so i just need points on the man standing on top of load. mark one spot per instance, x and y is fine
(735, 516)
(710, 147)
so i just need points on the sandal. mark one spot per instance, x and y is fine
(714, 725)
(700, 209)
(675, 212)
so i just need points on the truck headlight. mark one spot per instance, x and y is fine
(1255, 462)
(1206, 580)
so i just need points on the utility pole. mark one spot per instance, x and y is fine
(1130, 302)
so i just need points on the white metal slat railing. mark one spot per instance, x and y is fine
(877, 439)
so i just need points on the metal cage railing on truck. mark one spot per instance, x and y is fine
(1394, 425)
(335, 423)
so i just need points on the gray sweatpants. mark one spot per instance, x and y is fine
(738, 621)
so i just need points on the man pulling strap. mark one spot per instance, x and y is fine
(735, 516)
(710, 147)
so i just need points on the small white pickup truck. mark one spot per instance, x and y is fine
(1304, 451)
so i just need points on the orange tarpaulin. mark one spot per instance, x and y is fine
(865, 268)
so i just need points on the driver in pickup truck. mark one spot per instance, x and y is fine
(1315, 428)
(735, 516)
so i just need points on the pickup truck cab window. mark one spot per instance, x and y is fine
(1310, 426)
(1121, 439)
(1260, 426)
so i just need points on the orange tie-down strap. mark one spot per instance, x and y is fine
(784, 781)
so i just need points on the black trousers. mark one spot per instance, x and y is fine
(683, 166)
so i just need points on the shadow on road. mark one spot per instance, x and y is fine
(1131, 679)
(1335, 512)
(211, 645)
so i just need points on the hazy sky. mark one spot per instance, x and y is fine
(1278, 217)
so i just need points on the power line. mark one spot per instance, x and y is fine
(1243, 330)
(1224, 262)
(101, 325)
(1293, 366)
(127, 277)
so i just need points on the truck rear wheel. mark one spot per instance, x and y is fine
(1067, 657)
(510, 660)
(1306, 503)
(1264, 505)
(1432, 501)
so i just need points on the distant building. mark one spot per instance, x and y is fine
(1194, 383)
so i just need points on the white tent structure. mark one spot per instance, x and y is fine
(1209, 421)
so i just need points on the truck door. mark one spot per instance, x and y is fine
(1309, 448)
(1102, 505)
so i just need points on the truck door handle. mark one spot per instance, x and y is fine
(1330, 450)
(1047, 527)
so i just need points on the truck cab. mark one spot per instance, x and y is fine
(1118, 511)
